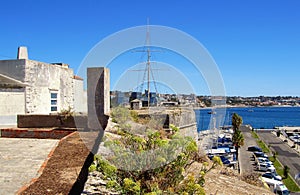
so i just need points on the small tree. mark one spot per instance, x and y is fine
(64, 114)
(237, 140)
(278, 133)
(236, 121)
(275, 153)
(286, 171)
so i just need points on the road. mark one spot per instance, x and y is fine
(286, 155)
(246, 160)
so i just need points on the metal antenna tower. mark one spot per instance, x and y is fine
(148, 63)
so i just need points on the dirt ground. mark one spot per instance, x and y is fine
(62, 169)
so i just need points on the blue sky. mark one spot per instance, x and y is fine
(255, 43)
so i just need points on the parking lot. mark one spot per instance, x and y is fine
(286, 155)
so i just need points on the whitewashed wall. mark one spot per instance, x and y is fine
(41, 79)
(44, 78)
(11, 104)
(80, 100)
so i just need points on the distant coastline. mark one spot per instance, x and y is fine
(262, 117)
(244, 106)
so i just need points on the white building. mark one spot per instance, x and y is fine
(33, 87)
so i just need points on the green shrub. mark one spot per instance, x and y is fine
(174, 128)
(120, 115)
(106, 168)
(113, 184)
(131, 187)
(134, 115)
(92, 168)
(190, 187)
(151, 193)
(157, 172)
(254, 135)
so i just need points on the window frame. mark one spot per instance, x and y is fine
(53, 98)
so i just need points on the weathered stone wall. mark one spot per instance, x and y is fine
(38, 81)
(43, 79)
(185, 119)
(98, 80)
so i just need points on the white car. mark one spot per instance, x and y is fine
(265, 167)
(260, 154)
(281, 189)
(272, 182)
(264, 160)
(272, 175)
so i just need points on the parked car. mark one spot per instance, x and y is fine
(264, 160)
(281, 189)
(225, 160)
(254, 149)
(272, 175)
(224, 140)
(272, 182)
(265, 167)
(260, 154)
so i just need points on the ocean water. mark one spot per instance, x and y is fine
(257, 117)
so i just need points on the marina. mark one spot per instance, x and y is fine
(277, 127)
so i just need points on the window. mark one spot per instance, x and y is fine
(53, 102)
(54, 95)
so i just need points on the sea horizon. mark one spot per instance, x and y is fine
(262, 117)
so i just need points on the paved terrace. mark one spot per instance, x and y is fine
(20, 161)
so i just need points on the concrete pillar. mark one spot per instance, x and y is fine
(98, 91)
(22, 53)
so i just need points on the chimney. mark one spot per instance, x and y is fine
(22, 53)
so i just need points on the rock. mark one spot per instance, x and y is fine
(96, 184)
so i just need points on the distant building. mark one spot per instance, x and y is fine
(136, 104)
(144, 98)
(153, 99)
(119, 98)
(33, 87)
(169, 104)
(135, 95)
